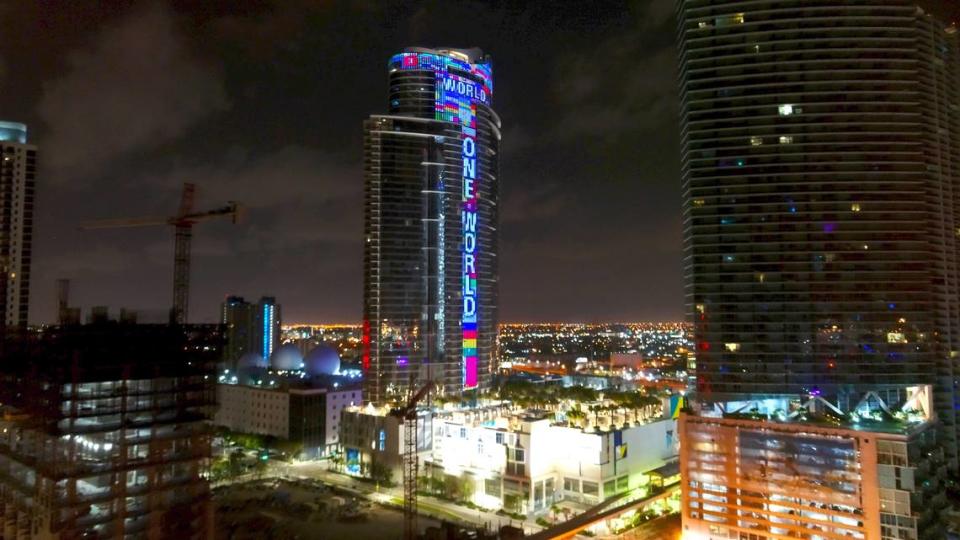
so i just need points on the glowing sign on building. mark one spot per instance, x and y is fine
(460, 86)
(267, 331)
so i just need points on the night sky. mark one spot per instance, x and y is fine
(264, 105)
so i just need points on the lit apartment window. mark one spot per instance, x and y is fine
(896, 337)
(698, 202)
(756, 141)
(786, 109)
(855, 207)
(786, 139)
(732, 347)
(727, 20)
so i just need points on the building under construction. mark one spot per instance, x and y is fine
(104, 432)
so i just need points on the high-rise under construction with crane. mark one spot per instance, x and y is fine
(431, 170)
(105, 432)
(18, 170)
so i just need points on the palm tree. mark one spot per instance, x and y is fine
(576, 416)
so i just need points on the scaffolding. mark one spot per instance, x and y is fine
(105, 432)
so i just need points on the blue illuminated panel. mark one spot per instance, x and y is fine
(268, 318)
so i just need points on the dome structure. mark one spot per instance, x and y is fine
(251, 360)
(287, 358)
(322, 360)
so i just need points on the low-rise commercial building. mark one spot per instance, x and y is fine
(523, 461)
(298, 410)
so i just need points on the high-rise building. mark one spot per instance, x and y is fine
(250, 328)
(105, 432)
(431, 218)
(18, 170)
(820, 163)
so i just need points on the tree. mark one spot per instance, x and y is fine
(511, 502)
(576, 416)
(451, 487)
(288, 448)
(381, 473)
(337, 460)
(235, 463)
(467, 487)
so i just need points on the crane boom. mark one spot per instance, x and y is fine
(232, 209)
(182, 223)
(122, 223)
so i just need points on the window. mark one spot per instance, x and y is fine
(786, 109)
(491, 486)
(463, 433)
(786, 139)
(855, 207)
(727, 20)
(896, 337)
(591, 488)
(571, 484)
(499, 438)
(732, 347)
(756, 141)
(609, 487)
(622, 483)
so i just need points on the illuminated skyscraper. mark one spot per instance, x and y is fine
(17, 177)
(430, 227)
(250, 328)
(820, 147)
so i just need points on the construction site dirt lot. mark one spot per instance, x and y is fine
(277, 509)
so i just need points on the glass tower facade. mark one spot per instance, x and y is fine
(430, 226)
(819, 167)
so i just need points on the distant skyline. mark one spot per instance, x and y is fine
(264, 103)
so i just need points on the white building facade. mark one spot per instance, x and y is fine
(308, 415)
(521, 462)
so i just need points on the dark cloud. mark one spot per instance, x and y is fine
(526, 204)
(136, 85)
(262, 102)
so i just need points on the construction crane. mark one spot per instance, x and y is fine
(182, 223)
(408, 414)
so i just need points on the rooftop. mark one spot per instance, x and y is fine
(13, 132)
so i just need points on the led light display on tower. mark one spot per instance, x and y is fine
(431, 182)
(456, 101)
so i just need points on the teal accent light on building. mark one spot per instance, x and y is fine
(13, 132)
